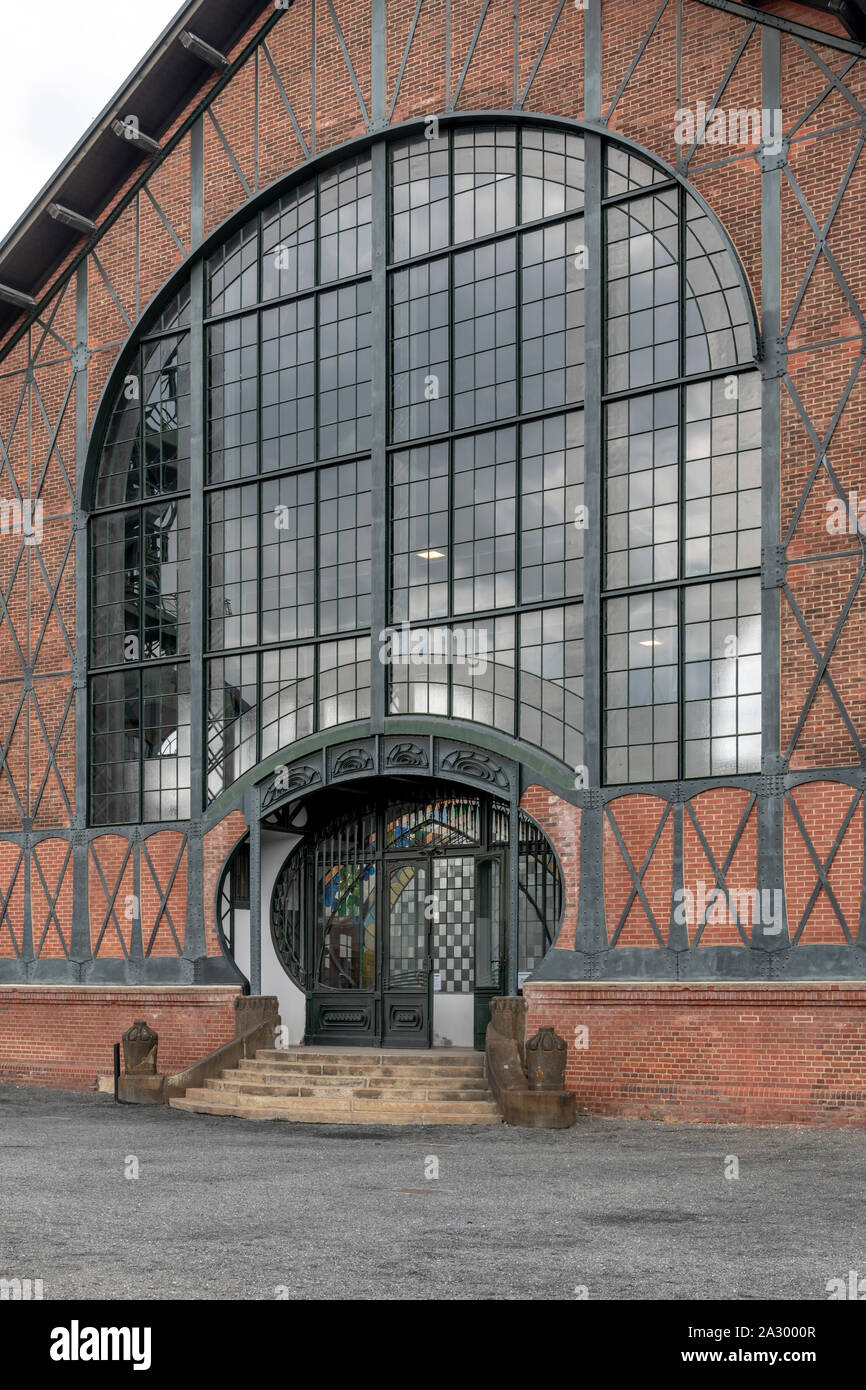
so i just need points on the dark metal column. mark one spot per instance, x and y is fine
(592, 61)
(79, 943)
(379, 469)
(132, 910)
(513, 882)
(377, 63)
(591, 935)
(771, 798)
(254, 821)
(195, 942)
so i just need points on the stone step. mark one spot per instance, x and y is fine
(392, 1057)
(352, 1100)
(329, 1114)
(260, 1063)
(270, 1077)
(351, 1087)
(229, 1081)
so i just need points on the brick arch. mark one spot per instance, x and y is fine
(219, 843)
(560, 822)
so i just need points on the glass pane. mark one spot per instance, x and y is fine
(485, 334)
(165, 579)
(454, 924)
(642, 292)
(723, 475)
(345, 220)
(625, 172)
(551, 682)
(552, 316)
(344, 371)
(484, 500)
(289, 385)
(346, 917)
(540, 896)
(233, 272)
(552, 526)
(419, 534)
(419, 196)
(552, 172)
(717, 310)
(289, 243)
(288, 912)
(452, 821)
(115, 746)
(115, 558)
(489, 924)
(166, 392)
(722, 673)
(641, 644)
(233, 588)
(165, 743)
(232, 702)
(408, 926)
(485, 181)
(233, 367)
(420, 318)
(642, 490)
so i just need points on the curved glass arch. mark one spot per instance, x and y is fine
(485, 291)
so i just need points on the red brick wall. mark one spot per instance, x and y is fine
(637, 818)
(63, 1037)
(719, 1053)
(718, 813)
(825, 341)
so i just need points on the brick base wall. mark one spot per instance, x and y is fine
(53, 1035)
(715, 1053)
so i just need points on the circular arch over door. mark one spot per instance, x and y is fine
(400, 335)
(391, 913)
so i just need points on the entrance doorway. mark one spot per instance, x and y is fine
(392, 918)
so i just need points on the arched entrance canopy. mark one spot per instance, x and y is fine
(391, 913)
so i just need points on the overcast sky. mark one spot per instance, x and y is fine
(61, 61)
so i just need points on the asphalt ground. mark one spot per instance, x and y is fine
(244, 1210)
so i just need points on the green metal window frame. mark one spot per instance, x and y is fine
(595, 399)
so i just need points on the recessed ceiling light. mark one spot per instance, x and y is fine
(651, 643)
(431, 554)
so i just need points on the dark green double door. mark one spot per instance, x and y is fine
(373, 974)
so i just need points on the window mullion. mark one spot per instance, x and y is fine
(593, 225)
(681, 477)
(379, 341)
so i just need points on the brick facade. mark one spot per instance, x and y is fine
(720, 1053)
(61, 1037)
(539, 63)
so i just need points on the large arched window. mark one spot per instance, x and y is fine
(449, 503)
